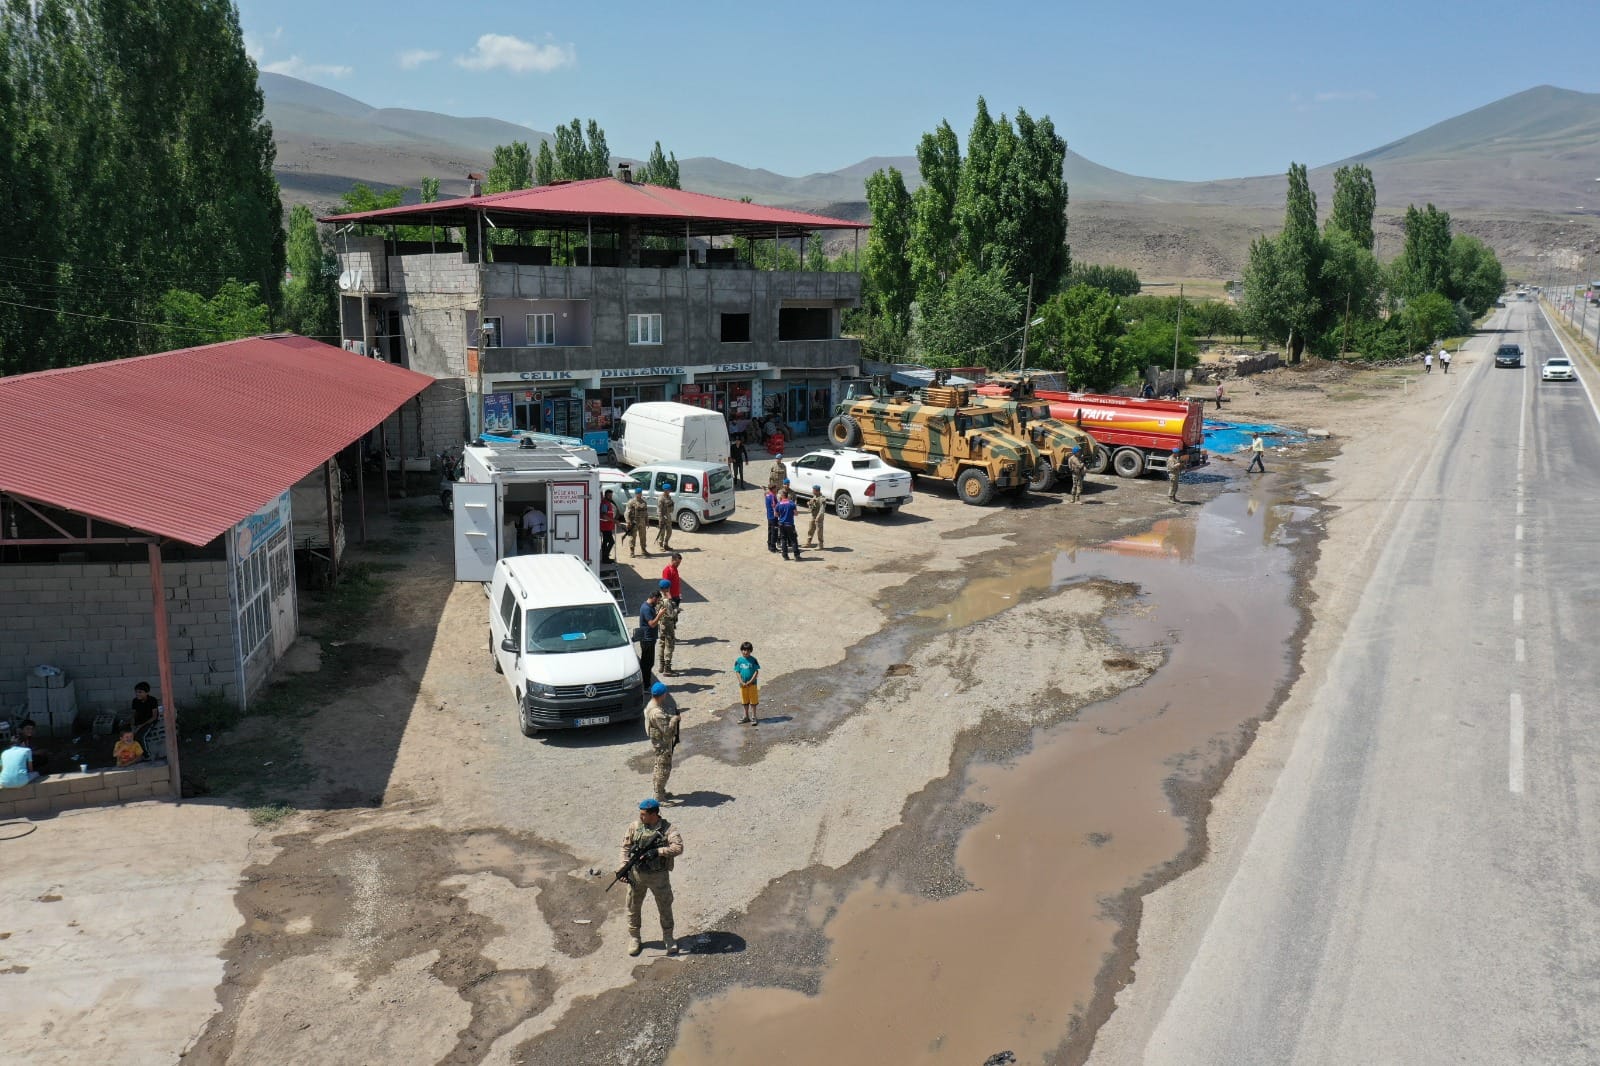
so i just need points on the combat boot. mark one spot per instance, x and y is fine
(672, 945)
(634, 947)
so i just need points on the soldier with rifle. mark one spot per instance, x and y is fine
(649, 847)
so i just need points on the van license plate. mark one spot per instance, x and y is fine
(601, 720)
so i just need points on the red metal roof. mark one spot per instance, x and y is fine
(609, 197)
(186, 444)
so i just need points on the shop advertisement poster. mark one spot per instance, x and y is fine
(497, 413)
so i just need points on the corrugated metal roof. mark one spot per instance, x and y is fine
(186, 444)
(603, 197)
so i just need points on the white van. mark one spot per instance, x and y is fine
(670, 432)
(557, 635)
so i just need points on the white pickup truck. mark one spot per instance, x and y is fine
(852, 481)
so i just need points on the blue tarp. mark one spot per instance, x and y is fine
(1224, 437)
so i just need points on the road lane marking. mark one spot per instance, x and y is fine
(1522, 650)
(1522, 426)
(1515, 767)
(1519, 508)
(1519, 530)
(1516, 609)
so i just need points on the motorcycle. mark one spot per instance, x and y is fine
(449, 473)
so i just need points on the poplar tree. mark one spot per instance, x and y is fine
(935, 255)
(511, 169)
(1355, 199)
(886, 274)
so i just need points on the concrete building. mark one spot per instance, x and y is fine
(555, 308)
(153, 540)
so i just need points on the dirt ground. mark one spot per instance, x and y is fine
(438, 894)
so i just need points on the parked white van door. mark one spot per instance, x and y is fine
(570, 509)
(477, 530)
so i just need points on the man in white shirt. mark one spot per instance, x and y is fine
(533, 529)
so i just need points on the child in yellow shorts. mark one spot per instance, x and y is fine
(748, 667)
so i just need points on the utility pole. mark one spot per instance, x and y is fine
(1027, 317)
(1177, 332)
(1345, 347)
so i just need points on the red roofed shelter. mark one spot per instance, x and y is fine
(170, 473)
(555, 308)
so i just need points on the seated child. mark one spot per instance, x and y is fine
(127, 750)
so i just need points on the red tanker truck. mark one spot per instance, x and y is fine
(1135, 434)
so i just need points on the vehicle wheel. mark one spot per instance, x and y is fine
(1100, 463)
(688, 521)
(528, 728)
(844, 431)
(494, 657)
(844, 506)
(1129, 462)
(1043, 479)
(974, 487)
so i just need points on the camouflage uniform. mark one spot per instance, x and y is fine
(638, 514)
(818, 514)
(775, 476)
(665, 513)
(652, 875)
(661, 726)
(1077, 468)
(667, 632)
(1174, 472)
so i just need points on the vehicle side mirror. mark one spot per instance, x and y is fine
(509, 645)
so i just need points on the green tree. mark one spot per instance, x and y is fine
(1282, 294)
(1476, 276)
(1355, 199)
(512, 168)
(979, 321)
(886, 275)
(1081, 335)
(544, 166)
(1213, 318)
(360, 197)
(1424, 264)
(990, 146)
(816, 253)
(429, 190)
(1118, 281)
(1428, 318)
(1350, 287)
(661, 169)
(189, 319)
(935, 254)
(599, 155)
(1030, 234)
(311, 306)
(572, 155)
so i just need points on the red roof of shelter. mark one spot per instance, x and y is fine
(186, 444)
(611, 198)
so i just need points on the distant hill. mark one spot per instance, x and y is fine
(1535, 151)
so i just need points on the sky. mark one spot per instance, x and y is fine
(1192, 91)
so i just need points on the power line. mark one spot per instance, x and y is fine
(137, 322)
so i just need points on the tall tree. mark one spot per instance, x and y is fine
(572, 155)
(886, 274)
(544, 167)
(599, 155)
(935, 254)
(1424, 264)
(1476, 277)
(990, 147)
(511, 169)
(1355, 199)
(1079, 336)
(1031, 228)
(661, 169)
(978, 321)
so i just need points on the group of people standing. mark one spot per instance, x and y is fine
(782, 506)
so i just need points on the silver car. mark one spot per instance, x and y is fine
(701, 492)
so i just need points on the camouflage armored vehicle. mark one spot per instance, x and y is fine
(1025, 416)
(940, 434)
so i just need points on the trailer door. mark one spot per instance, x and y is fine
(570, 507)
(477, 530)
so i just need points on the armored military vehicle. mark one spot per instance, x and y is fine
(943, 434)
(1025, 416)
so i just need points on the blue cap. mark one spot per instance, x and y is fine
(658, 689)
(1175, 451)
(785, 481)
(651, 804)
(664, 583)
(1076, 449)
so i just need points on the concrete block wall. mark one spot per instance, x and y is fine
(439, 415)
(63, 792)
(93, 620)
(367, 255)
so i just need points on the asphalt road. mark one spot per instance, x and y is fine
(1423, 885)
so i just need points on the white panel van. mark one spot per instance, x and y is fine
(565, 649)
(669, 432)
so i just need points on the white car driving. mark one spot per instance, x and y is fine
(1558, 369)
(853, 481)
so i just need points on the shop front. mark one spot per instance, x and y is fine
(807, 404)
(731, 397)
(603, 408)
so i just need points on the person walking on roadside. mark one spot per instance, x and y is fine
(748, 667)
(1427, 362)
(661, 844)
(1077, 469)
(666, 511)
(736, 458)
(1174, 472)
(608, 527)
(648, 633)
(638, 515)
(1444, 359)
(1220, 394)
(771, 500)
(1257, 450)
(666, 629)
(818, 515)
(661, 725)
(787, 537)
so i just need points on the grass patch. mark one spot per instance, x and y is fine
(387, 546)
(270, 814)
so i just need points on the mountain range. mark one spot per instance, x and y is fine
(1535, 151)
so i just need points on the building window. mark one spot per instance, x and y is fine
(735, 328)
(644, 329)
(491, 332)
(541, 330)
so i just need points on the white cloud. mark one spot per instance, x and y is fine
(1346, 96)
(256, 46)
(498, 51)
(413, 58)
(295, 67)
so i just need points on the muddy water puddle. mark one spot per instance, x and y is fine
(1027, 960)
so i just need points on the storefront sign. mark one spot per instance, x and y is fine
(254, 532)
(737, 368)
(642, 372)
(551, 375)
(497, 413)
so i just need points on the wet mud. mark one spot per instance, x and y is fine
(1101, 806)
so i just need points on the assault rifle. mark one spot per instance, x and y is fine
(637, 854)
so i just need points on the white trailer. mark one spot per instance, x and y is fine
(500, 482)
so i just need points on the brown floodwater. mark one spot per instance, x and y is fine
(1071, 826)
